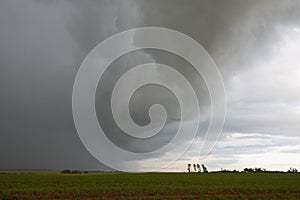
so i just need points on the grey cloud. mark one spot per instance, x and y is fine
(42, 44)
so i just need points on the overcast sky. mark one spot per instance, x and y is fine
(255, 44)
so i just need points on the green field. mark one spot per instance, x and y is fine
(150, 186)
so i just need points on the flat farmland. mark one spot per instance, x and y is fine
(150, 186)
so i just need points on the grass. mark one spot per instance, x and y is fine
(150, 186)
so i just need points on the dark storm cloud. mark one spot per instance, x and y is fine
(42, 44)
(38, 65)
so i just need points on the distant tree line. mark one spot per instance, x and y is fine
(68, 171)
(256, 170)
(292, 170)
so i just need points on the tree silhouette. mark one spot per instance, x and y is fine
(204, 168)
(199, 168)
(195, 168)
(189, 167)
